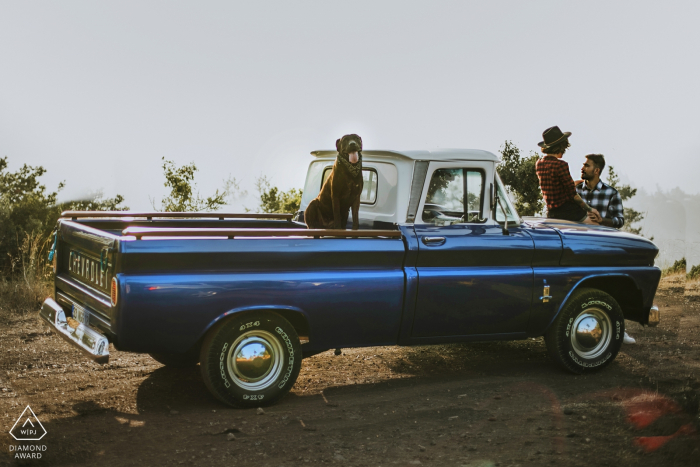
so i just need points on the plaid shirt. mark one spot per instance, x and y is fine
(606, 200)
(555, 181)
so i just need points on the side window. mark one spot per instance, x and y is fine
(448, 193)
(369, 188)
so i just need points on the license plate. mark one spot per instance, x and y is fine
(81, 314)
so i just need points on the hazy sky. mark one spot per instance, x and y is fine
(99, 92)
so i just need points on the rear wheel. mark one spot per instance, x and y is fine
(588, 332)
(251, 360)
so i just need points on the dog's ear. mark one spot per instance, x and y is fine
(337, 145)
(360, 140)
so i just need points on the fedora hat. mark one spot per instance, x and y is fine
(553, 136)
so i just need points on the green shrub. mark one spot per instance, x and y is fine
(184, 196)
(679, 266)
(28, 215)
(518, 174)
(694, 272)
(273, 200)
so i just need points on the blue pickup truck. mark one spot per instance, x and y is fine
(441, 256)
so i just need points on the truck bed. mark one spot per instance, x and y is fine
(177, 277)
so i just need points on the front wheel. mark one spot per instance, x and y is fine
(588, 332)
(251, 360)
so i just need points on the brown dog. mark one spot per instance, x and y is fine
(341, 191)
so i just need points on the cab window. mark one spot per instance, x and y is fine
(369, 187)
(454, 196)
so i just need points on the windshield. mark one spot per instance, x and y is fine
(507, 204)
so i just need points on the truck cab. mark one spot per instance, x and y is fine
(451, 198)
(420, 187)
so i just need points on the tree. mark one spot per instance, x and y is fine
(272, 199)
(28, 215)
(96, 202)
(626, 192)
(520, 179)
(183, 196)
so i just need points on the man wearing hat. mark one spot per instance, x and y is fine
(558, 188)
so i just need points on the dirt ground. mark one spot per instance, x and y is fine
(481, 404)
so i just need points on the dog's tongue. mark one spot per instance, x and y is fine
(353, 157)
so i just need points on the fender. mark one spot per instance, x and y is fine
(623, 286)
(301, 323)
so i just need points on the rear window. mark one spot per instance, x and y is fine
(369, 188)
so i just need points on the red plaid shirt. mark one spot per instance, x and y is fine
(555, 181)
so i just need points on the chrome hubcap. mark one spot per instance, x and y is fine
(254, 360)
(591, 333)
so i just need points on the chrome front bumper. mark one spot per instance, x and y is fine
(654, 316)
(91, 342)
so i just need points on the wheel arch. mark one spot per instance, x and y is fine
(621, 287)
(296, 317)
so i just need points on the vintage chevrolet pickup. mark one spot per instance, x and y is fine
(441, 256)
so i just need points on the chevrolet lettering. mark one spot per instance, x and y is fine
(88, 270)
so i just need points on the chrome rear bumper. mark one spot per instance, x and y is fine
(90, 342)
(654, 316)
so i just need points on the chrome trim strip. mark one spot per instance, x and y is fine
(90, 342)
(140, 232)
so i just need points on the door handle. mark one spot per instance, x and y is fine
(433, 240)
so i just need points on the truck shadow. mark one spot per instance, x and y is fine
(174, 389)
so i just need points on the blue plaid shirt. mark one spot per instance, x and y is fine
(605, 199)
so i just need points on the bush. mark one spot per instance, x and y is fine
(518, 175)
(183, 196)
(694, 272)
(678, 267)
(626, 192)
(28, 215)
(273, 200)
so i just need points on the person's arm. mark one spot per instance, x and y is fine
(615, 217)
(587, 208)
(570, 187)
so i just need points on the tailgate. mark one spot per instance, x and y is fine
(84, 271)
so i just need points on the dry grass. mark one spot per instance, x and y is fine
(25, 287)
(692, 289)
(19, 297)
(673, 279)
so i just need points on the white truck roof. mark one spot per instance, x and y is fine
(423, 155)
(395, 172)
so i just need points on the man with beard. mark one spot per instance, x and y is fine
(603, 198)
